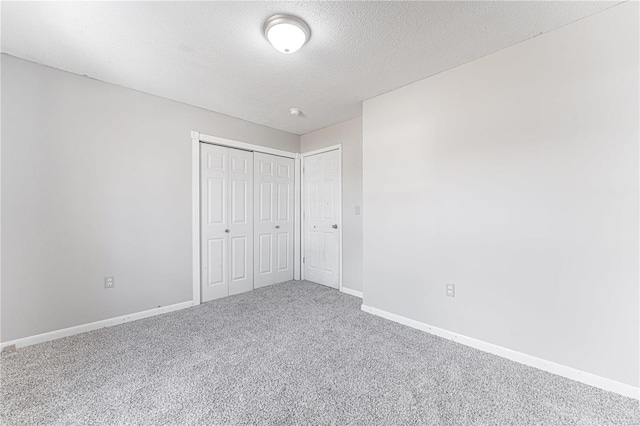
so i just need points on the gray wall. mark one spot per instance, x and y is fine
(349, 134)
(96, 180)
(515, 177)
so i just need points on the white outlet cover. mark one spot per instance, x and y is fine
(109, 282)
(451, 290)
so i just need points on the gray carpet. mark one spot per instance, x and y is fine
(293, 353)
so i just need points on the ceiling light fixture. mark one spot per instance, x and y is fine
(286, 33)
(295, 112)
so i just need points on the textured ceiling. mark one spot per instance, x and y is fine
(213, 54)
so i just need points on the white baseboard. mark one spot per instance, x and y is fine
(57, 334)
(532, 361)
(355, 293)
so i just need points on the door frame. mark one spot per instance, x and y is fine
(196, 139)
(337, 147)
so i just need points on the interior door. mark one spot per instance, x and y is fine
(226, 200)
(321, 218)
(274, 192)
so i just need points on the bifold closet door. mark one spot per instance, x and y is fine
(273, 185)
(226, 216)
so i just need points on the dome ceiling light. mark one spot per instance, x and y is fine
(286, 33)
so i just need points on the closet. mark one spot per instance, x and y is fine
(246, 220)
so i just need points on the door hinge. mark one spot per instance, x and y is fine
(303, 260)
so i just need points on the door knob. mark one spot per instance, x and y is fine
(227, 230)
(277, 226)
(334, 226)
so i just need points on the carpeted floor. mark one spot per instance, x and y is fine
(293, 353)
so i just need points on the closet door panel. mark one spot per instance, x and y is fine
(274, 225)
(264, 182)
(226, 221)
(241, 221)
(283, 206)
(214, 174)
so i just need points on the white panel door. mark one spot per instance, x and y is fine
(240, 221)
(274, 191)
(214, 173)
(321, 216)
(226, 216)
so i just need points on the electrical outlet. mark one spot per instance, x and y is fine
(109, 282)
(357, 210)
(451, 290)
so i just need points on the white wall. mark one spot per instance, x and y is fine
(516, 178)
(349, 134)
(96, 181)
